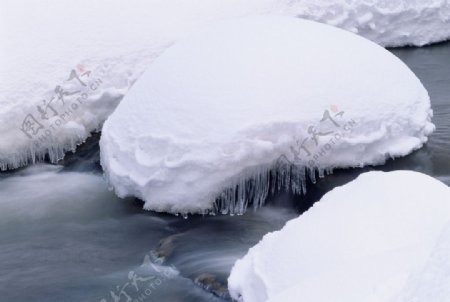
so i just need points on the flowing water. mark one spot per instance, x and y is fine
(65, 237)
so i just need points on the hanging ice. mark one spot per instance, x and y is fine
(255, 103)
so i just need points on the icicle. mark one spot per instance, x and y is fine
(38, 150)
(273, 180)
(312, 174)
(321, 172)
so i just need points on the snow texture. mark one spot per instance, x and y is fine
(387, 22)
(105, 44)
(108, 44)
(258, 104)
(383, 237)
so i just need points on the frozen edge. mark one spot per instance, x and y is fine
(253, 189)
(54, 153)
(55, 148)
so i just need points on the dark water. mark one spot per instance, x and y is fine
(432, 65)
(65, 237)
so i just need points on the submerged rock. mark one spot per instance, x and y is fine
(211, 284)
(165, 247)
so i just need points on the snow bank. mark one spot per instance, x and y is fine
(387, 22)
(382, 237)
(65, 65)
(49, 48)
(215, 113)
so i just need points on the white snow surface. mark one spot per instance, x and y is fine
(115, 40)
(223, 106)
(383, 237)
(387, 22)
(44, 41)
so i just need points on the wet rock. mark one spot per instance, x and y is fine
(210, 283)
(165, 247)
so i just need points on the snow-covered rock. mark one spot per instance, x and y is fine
(46, 45)
(383, 237)
(217, 111)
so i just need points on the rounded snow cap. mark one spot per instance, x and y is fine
(250, 101)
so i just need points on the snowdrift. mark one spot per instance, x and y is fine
(258, 103)
(382, 237)
(66, 65)
(390, 23)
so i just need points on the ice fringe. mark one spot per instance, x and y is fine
(284, 175)
(51, 153)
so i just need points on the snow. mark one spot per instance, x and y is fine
(44, 41)
(382, 237)
(387, 22)
(217, 117)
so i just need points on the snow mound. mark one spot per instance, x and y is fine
(256, 103)
(387, 22)
(46, 110)
(382, 237)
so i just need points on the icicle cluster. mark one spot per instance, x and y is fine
(52, 152)
(254, 190)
